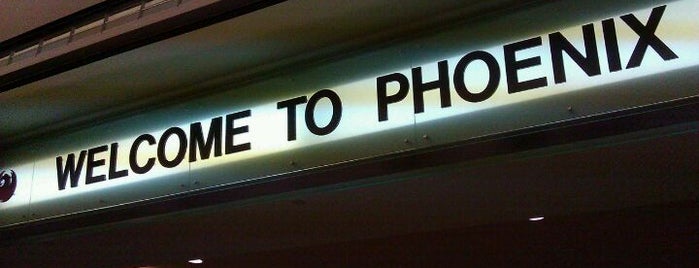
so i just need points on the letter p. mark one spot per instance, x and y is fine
(382, 95)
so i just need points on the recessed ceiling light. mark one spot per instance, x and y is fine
(536, 218)
(196, 261)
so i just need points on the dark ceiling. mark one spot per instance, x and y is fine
(20, 16)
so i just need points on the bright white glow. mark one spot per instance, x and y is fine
(196, 261)
(536, 218)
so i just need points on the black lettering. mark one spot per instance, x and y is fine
(588, 63)
(647, 37)
(231, 131)
(113, 156)
(213, 140)
(419, 87)
(493, 76)
(290, 106)
(133, 155)
(336, 114)
(381, 92)
(611, 44)
(512, 65)
(92, 164)
(181, 151)
(70, 170)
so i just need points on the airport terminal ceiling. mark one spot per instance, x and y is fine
(626, 174)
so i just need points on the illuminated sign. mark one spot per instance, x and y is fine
(236, 136)
(220, 136)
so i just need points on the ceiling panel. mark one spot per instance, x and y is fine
(19, 16)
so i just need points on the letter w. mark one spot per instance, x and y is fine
(70, 169)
